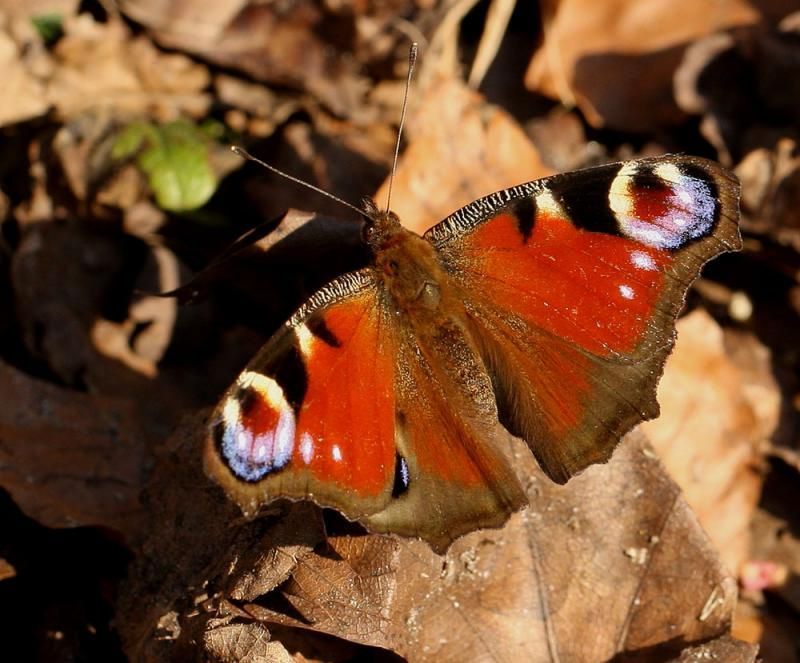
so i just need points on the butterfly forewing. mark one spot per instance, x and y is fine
(312, 416)
(574, 284)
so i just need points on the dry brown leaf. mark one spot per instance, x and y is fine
(98, 66)
(195, 535)
(744, 85)
(263, 568)
(23, 93)
(284, 45)
(440, 53)
(340, 158)
(616, 58)
(704, 85)
(141, 340)
(5, 208)
(83, 146)
(70, 459)
(267, 109)
(6, 570)
(778, 67)
(560, 137)
(618, 540)
(112, 340)
(158, 316)
(243, 643)
(718, 407)
(345, 589)
(771, 191)
(460, 148)
(349, 161)
(28, 9)
(55, 328)
(484, 148)
(724, 648)
(497, 19)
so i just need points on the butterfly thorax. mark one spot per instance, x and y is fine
(406, 264)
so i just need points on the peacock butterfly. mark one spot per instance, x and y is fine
(548, 307)
(546, 310)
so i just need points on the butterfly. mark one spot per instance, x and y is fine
(545, 310)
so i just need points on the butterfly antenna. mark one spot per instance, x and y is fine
(412, 60)
(246, 155)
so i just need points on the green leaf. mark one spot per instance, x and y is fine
(130, 139)
(49, 26)
(175, 159)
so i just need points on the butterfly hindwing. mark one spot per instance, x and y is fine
(573, 285)
(454, 451)
(351, 406)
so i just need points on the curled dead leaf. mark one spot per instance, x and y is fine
(113, 341)
(483, 148)
(243, 643)
(718, 406)
(771, 179)
(616, 59)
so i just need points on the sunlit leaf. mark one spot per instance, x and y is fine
(175, 158)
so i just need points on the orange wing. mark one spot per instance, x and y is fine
(454, 451)
(313, 414)
(573, 284)
(348, 407)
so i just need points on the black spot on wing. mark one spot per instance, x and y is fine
(401, 478)
(644, 179)
(247, 398)
(584, 197)
(525, 213)
(289, 371)
(320, 329)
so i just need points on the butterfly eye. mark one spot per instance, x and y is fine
(367, 232)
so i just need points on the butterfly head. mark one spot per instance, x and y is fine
(381, 227)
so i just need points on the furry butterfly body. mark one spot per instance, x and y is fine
(546, 310)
